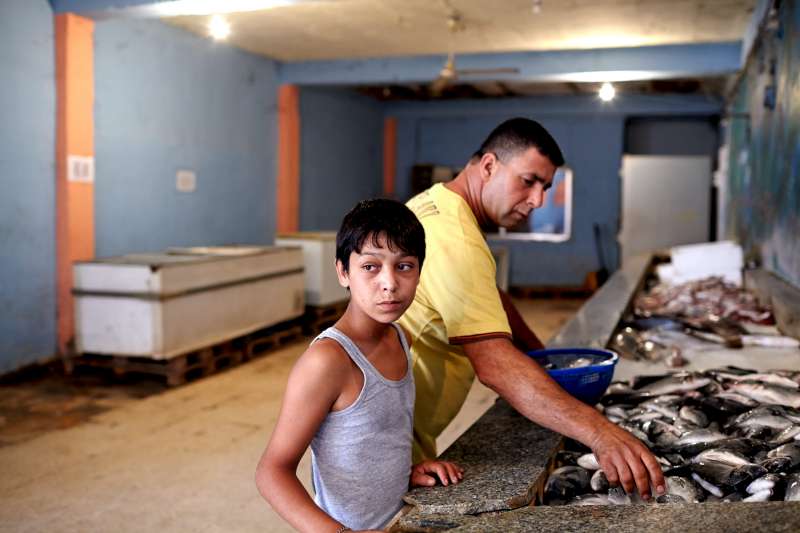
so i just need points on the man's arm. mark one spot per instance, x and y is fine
(523, 337)
(534, 394)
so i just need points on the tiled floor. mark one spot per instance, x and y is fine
(86, 454)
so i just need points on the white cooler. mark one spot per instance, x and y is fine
(319, 254)
(165, 304)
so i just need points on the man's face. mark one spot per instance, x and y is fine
(514, 188)
(382, 281)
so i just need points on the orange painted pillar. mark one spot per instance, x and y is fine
(288, 186)
(74, 137)
(389, 155)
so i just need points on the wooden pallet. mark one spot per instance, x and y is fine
(319, 318)
(196, 364)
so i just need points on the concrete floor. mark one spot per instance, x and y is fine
(86, 456)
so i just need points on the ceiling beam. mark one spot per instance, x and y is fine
(610, 64)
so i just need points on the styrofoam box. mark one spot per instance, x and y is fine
(319, 255)
(161, 305)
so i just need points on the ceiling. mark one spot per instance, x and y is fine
(338, 29)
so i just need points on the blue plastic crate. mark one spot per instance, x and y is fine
(586, 383)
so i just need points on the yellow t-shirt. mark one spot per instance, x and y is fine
(456, 299)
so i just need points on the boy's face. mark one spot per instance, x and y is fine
(382, 282)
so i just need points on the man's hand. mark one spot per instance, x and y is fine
(624, 459)
(422, 474)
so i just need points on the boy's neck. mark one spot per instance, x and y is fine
(358, 325)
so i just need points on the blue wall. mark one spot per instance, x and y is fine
(168, 100)
(591, 136)
(341, 154)
(763, 201)
(27, 179)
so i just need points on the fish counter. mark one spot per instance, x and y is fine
(728, 440)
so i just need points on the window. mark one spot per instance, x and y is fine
(553, 221)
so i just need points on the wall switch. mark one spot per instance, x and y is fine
(80, 169)
(186, 181)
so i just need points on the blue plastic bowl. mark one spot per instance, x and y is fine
(587, 383)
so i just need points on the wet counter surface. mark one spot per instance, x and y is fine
(506, 459)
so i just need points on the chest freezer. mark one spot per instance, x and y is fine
(319, 255)
(164, 304)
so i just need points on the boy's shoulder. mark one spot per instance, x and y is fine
(327, 356)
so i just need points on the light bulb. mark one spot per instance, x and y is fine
(219, 28)
(607, 92)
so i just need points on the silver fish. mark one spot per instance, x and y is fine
(790, 450)
(769, 394)
(726, 468)
(682, 487)
(700, 435)
(766, 482)
(615, 410)
(590, 499)
(617, 496)
(565, 483)
(695, 416)
(761, 496)
(589, 462)
(677, 383)
(599, 481)
(787, 435)
(792, 488)
(772, 379)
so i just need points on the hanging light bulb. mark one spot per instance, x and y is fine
(536, 8)
(219, 28)
(607, 92)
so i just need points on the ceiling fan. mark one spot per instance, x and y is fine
(450, 73)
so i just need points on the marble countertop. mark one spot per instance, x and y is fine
(506, 459)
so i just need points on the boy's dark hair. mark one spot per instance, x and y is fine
(517, 135)
(376, 218)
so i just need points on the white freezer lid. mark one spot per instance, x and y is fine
(179, 270)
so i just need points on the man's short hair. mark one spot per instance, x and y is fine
(380, 217)
(517, 135)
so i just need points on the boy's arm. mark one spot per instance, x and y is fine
(314, 385)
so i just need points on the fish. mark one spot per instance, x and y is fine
(588, 461)
(677, 383)
(767, 482)
(599, 481)
(792, 488)
(771, 379)
(565, 483)
(682, 487)
(726, 468)
(700, 435)
(769, 394)
(787, 435)
(590, 499)
(616, 411)
(761, 496)
(790, 450)
(580, 362)
(693, 415)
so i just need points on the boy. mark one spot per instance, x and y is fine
(351, 394)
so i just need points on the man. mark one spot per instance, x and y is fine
(459, 323)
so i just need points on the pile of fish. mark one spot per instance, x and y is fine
(725, 434)
(697, 299)
(670, 322)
